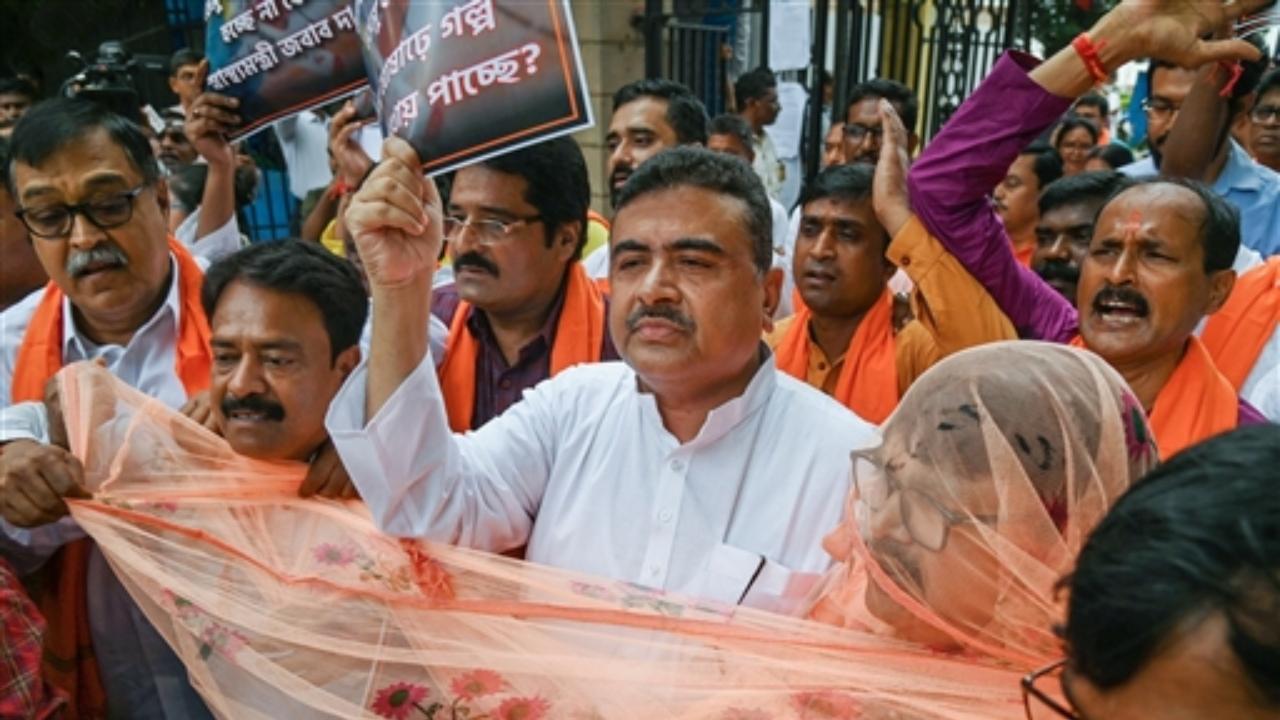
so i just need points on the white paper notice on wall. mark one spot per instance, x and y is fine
(790, 36)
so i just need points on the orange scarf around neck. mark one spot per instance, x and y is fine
(868, 382)
(1196, 403)
(1236, 334)
(578, 337)
(59, 587)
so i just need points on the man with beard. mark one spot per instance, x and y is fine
(862, 122)
(756, 93)
(1015, 198)
(1264, 122)
(693, 467)
(89, 191)
(1161, 253)
(521, 307)
(649, 116)
(1179, 148)
(1068, 208)
(16, 97)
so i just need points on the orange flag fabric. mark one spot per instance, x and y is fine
(59, 588)
(1236, 334)
(1195, 404)
(579, 335)
(868, 382)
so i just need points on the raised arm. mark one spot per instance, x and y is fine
(950, 182)
(389, 422)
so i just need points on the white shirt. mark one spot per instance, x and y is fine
(214, 246)
(584, 472)
(304, 142)
(767, 166)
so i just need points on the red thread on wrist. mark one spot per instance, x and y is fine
(1234, 71)
(1088, 52)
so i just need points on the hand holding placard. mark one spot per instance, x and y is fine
(396, 219)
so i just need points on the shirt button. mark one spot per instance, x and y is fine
(822, 366)
(665, 516)
(905, 261)
(677, 466)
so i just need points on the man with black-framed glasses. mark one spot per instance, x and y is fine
(863, 131)
(520, 305)
(125, 293)
(1264, 122)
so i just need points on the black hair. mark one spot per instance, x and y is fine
(735, 125)
(685, 112)
(1086, 187)
(1094, 100)
(181, 58)
(1047, 165)
(556, 182)
(1198, 536)
(18, 86)
(753, 85)
(51, 125)
(1113, 154)
(843, 182)
(1220, 230)
(700, 168)
(1269, 82)
(301, 268)
(901, 96)
(1071, 122)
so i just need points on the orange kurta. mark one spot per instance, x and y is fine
(1237, 333)
(868, 380)
(60, 588)
(579, 336)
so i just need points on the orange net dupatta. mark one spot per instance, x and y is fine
(282, 607)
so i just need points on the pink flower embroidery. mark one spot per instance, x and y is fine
(477, 683)
(226, 641)
(337, 555)
(825, 704)
(397, 700)
(532, 708)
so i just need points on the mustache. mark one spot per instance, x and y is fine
(105, 253)
(621, 172)
(1122, 295)
(663, 312)
(1059, 270)
(474, 259)
(252, 403)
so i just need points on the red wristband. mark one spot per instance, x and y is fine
(1088, 53)
(1234, 71)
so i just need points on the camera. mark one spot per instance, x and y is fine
(107, 80)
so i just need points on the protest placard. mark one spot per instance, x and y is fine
(466, 79)
(280, 57)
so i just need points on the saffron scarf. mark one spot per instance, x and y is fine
(1196, 403)
(1236, 334)
(59, 587)
(868, 382)
(579, 335)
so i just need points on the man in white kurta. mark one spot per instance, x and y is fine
(692, 467)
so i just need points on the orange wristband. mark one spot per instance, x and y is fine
(1088, 53)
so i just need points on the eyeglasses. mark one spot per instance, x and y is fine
(1156, 107)
(54, 221)
(487, 231)
(1039, 704)
(927, 522)
(856, 132)
(1265, 113)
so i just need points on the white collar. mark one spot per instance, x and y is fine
(723, 419)
(70, 334)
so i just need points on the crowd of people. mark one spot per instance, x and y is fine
(983, 426)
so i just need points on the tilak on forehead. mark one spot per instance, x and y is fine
(1133, 224)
